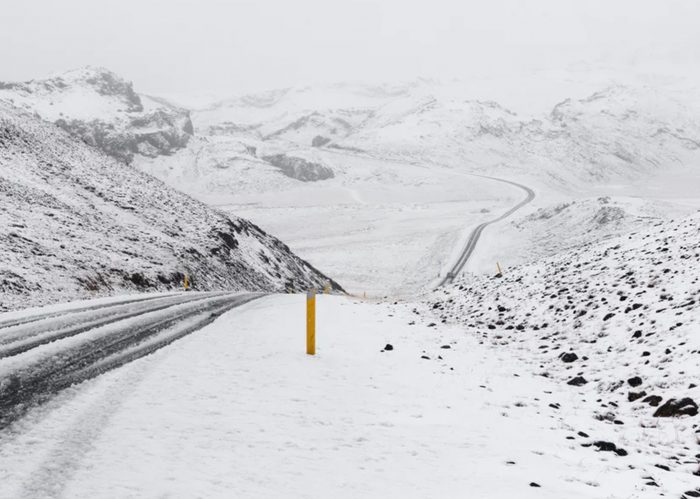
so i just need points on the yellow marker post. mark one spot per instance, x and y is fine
(327, 289)
(187, 283)
(311, 322)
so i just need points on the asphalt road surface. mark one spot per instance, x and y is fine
(476, 233)
(45, 353)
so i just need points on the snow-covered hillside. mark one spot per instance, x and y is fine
(634, 144)
(77, 223)
(616, 325)
(103, 109)
(618, 131)
(539, 233)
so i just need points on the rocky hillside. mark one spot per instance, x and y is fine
(77, 223)
(104, 111)
(299, 168)
(616, 324)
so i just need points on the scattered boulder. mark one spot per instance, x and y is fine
(609, 447)
(389, 347)
(577, 381)
(635, 381)
(632, 396)
(568, 357)
(653, 400)
(674, 407)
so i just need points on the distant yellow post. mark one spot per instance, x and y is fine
(187, 282)
(311, 322)
(327, 289)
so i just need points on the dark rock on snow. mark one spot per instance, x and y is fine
(577, 381)
(673, 407)
(568, 357)
(635, 381)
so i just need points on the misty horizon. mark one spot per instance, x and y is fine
(235, 48)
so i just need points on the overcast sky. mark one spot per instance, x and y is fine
(231, 46)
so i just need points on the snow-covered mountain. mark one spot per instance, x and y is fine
(616, 325)
(77, 223)
(617, 133)
(103, 109)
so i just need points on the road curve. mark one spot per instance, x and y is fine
(476, 233)
(46, 353)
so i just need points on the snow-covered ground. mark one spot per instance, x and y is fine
(239, 410)
(615, 323)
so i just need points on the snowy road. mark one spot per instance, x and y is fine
(476, 233)
(46, 352)
(239, 410)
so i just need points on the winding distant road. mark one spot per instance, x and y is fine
(45, 353)
(476, 233)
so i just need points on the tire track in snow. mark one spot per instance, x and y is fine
(50, 478)
(33, 376)
(59, 313)
(16, 340)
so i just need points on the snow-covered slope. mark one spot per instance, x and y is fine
(617, 132)
(632, 143)
(103, 109)
(617, 323)
(76, 223)
(572, 222)
(331, 109)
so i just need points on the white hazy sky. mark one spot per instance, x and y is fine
(231, 46)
